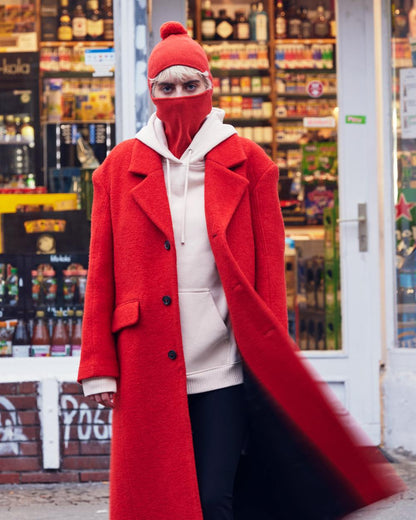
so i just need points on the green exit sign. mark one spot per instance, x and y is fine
(355, 120)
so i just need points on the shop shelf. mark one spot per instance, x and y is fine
(68, 74)
(98, 44)
(243, 94)
(305, 41)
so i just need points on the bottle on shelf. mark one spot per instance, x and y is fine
(321, 27)
(70, 323)
(190, 26)
(21, 341)
(10, 126)
(412, 20)
(40, 343)
(241, 27)
(95, 21)
(306, 27)
(27, 130)
(208, 24)
(2, 127)
(281, 21)
(79, 22)
(294, 23)
(18, 123)
(65, 23)
(2, 283)
(224, 27)
(261, 23)
(76, 334)
(108, 20)
(12, 287)
(333, 22)
(60, 345)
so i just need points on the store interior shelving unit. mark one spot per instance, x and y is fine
(289, 105)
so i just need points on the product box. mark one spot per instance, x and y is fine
(10, 203)
(49, 232)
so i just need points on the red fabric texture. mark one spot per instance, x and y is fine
(128, 331)
(182, 118)
(176, 48)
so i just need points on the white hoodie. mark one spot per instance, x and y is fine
(211, 356)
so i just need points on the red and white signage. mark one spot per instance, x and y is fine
(315, 89)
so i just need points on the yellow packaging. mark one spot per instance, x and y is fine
(10, 203)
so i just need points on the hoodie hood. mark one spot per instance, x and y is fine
(191, 165)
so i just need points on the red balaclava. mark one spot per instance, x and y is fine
(182, 116)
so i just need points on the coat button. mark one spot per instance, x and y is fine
(167, 300)
(172, 354)
(167, 245)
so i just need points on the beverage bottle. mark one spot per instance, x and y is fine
(79, 22)
(27, 130)
(2, 283)
(2, 127)
(321, 27)
(60, 345)
(400, 21)
(70, 323)
(12, 287)
(306, 27)
(108, 20)
(412, 20)
(241, 27)
(21, 341)
(95, 21)
(76, 334)
(224, 28)
(333, 22)
(252, 20)
(65, 24)
(41, 345)
(208, 24)
(10, 126)
(82, 284)
(294, 23)
(262, 24)
(281, 21)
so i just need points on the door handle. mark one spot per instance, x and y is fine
(362, 226)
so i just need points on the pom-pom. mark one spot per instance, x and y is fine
(170, 28)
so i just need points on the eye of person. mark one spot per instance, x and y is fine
(166, 88)
(191, 86)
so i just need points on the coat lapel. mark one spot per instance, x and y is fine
(224, 188)
(150, 194)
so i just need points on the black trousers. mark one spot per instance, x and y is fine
(219, 428)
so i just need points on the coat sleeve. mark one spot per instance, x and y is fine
(269, 237)
(98, 351)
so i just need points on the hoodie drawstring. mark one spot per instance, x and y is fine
(185, 190)
(185, 194)
(168, 179)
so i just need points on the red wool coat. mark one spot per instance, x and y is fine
(301, 462)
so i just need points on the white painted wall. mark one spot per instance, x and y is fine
(398, 382)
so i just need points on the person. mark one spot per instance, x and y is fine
(215, 415)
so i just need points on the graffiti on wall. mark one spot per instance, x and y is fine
(88, 421)
(11, 430)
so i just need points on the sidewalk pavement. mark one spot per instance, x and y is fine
(90, 501)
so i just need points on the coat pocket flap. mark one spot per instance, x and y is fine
(125, 315)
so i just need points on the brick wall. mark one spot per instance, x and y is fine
(84, 436)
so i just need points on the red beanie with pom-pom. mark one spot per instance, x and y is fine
(176, 48)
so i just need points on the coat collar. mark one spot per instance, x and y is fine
(223, 187)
